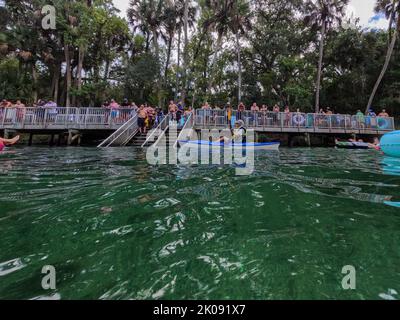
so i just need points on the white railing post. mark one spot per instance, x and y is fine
(45, 118)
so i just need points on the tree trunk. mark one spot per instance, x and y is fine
(385, 66)
(147, 42)
(213, 65)
(106, 70)
(179, 65)
(390, 29)
(239, 61)
(185, 54)
(56, 82)
(68, 77)
(157, 53)
(321, 56)
(34, 82)
(171, 39)
(81, 57)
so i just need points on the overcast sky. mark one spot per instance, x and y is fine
(363, 9)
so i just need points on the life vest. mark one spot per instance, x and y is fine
(244, 133)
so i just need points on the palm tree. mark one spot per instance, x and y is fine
(392, 11)
(149, 13)
(219, 13)
(225, 16)
(322, 15)
(240, 23)
(178, 14)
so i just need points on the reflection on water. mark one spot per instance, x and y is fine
(391, 166)
(116, 228)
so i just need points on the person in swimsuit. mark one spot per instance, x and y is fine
(383, 114)
(172, 109)
(142, 116)
(7, 142)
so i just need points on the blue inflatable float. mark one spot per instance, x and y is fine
(390, 144)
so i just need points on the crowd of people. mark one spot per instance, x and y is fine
(149, 116)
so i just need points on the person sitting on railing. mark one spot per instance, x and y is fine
(383, 114)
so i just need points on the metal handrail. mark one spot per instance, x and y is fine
(84, 118)
(189, 120)
(117, 134)
(157, 129)
(161, 136)
(295, 120)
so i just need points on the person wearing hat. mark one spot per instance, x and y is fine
(240, 132)
(371, 118)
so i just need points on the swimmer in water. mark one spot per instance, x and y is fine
(375, 145)
(7, 142)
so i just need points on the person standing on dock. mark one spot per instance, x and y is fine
(114, 107)
(172, 109)
(142, 116)
(241, 110)
(383, 114)
(5, 104)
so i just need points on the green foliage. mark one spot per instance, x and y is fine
(278, 49)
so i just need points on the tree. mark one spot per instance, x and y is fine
(239, 23)
(392, 11)
(218, 14)
(151, 14)
(322, 15)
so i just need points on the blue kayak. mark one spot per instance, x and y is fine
(273, 146)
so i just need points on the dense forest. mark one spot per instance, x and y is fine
(305, 54)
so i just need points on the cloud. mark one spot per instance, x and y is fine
(362, 9)
(376, 18)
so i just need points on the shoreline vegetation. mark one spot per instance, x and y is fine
(301, 54)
